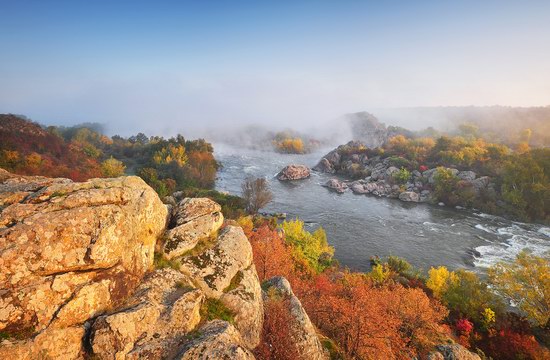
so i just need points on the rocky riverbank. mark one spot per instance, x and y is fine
(382, 177)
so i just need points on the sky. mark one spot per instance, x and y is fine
(164, 67)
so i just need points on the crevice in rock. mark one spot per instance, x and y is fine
(78, 270)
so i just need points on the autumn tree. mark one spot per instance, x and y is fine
(171, 153)
(272, 257)
(112, 168)
(463, 292)
(308, 248)
(256, 193)
(201, 168)
(367, 321)
(525, 282)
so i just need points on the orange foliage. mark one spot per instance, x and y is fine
(277, 342)
(367, 320)
(272, 256)
(290, 146)
(201, 168)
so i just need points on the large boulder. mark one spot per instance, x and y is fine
(481, 183)
(213, 269)
(194, 220)
(293, 172)
(216, 340)
(153, 322)
(68, 252)
(225, 271)
(302, 330)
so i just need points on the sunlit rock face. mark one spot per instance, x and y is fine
(70, 251)
(77, 274)
(303, 332)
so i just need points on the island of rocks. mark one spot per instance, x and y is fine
(377, 176)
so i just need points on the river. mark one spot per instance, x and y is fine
(360, 226)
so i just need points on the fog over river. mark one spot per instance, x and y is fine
(360, 226)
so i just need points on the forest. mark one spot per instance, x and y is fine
(83, 151)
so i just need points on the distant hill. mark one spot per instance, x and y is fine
(502, 124)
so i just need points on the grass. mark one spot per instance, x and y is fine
(160, 262)
(213, 309)
(203, 245)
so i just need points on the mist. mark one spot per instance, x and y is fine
(196, 69)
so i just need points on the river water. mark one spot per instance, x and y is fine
(360, 226)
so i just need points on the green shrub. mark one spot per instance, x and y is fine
(311, 248)
(401, 176)
(400, 162)
(160, 262)
(213, 309)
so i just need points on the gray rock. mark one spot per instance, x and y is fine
(481, 183)
(452, 352)
(409, 196)
(466, 175)
(336, 185)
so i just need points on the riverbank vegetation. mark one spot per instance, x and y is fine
(398, 310)
(466, 170)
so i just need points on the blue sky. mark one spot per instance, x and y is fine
(164, 66)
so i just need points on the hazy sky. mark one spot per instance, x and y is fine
(164, 66)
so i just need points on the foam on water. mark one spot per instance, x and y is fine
(517, 239)
(484, 228)
(544, 231)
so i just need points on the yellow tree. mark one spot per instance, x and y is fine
(112, 167)
(439, 280)
(525, 282)
(169, 154)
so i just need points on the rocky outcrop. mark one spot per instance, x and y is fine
(226, 272)
(70, 251)
(244, 299)
(302, 330)
(77, 275)
(293, 172)
(216, 340)
(194, 220)
(153, 322)
(452, 352)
